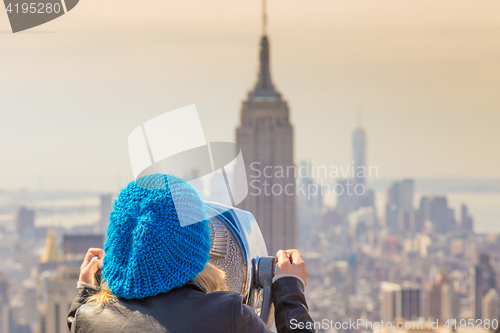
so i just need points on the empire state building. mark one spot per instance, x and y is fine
(265, 137)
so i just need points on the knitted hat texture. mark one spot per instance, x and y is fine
(147, 251)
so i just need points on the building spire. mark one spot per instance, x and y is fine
(50, 253)
(264, 87)
(264, 17)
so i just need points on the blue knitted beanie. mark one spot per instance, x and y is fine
(147, 251)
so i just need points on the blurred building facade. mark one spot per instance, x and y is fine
(106, 207)
(400, 301)
(25, 222)
(483, 280)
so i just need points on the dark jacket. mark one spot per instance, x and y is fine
(189, 309)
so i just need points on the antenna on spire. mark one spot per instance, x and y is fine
(264, 17)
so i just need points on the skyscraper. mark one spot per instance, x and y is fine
(359, 155)
(60, 294)
(401, 194)
(400, 214)
(25, 222)
(491, 305)
(105, 210)
(4, 305)
(435, 209)
(466, 221)
(400, 300)
(450, 307)
(265, 137)
(363, 197)
(443, 299)
(482, 280)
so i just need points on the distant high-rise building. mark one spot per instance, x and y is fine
(361, 222)
(400, 301)
(466, 221)
(410, 300)
(491, 305)
(359, 155)
(361, 170)
(105, 210)
(434, 300)
(4, 305)
(60, 294)
(30, 304)
(392, 219)
(443, 301)
(435, 209)
(450, 306)
(424, 208)
(400, 214)
(439, 213)
(352, 193)
(265, 137)
(401, 194)
(25, 222)
(482, 278)
(389, 302)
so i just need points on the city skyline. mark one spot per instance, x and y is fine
(424, 80)
(407, 88)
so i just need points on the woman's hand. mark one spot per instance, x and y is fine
(290, 262)
(89, 267)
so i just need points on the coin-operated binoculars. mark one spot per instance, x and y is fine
(238, 249)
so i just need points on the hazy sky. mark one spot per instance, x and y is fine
(425, 73)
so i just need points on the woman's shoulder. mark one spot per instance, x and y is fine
(222, 301)
(176, 304)
(114, 317)
(181, 310)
